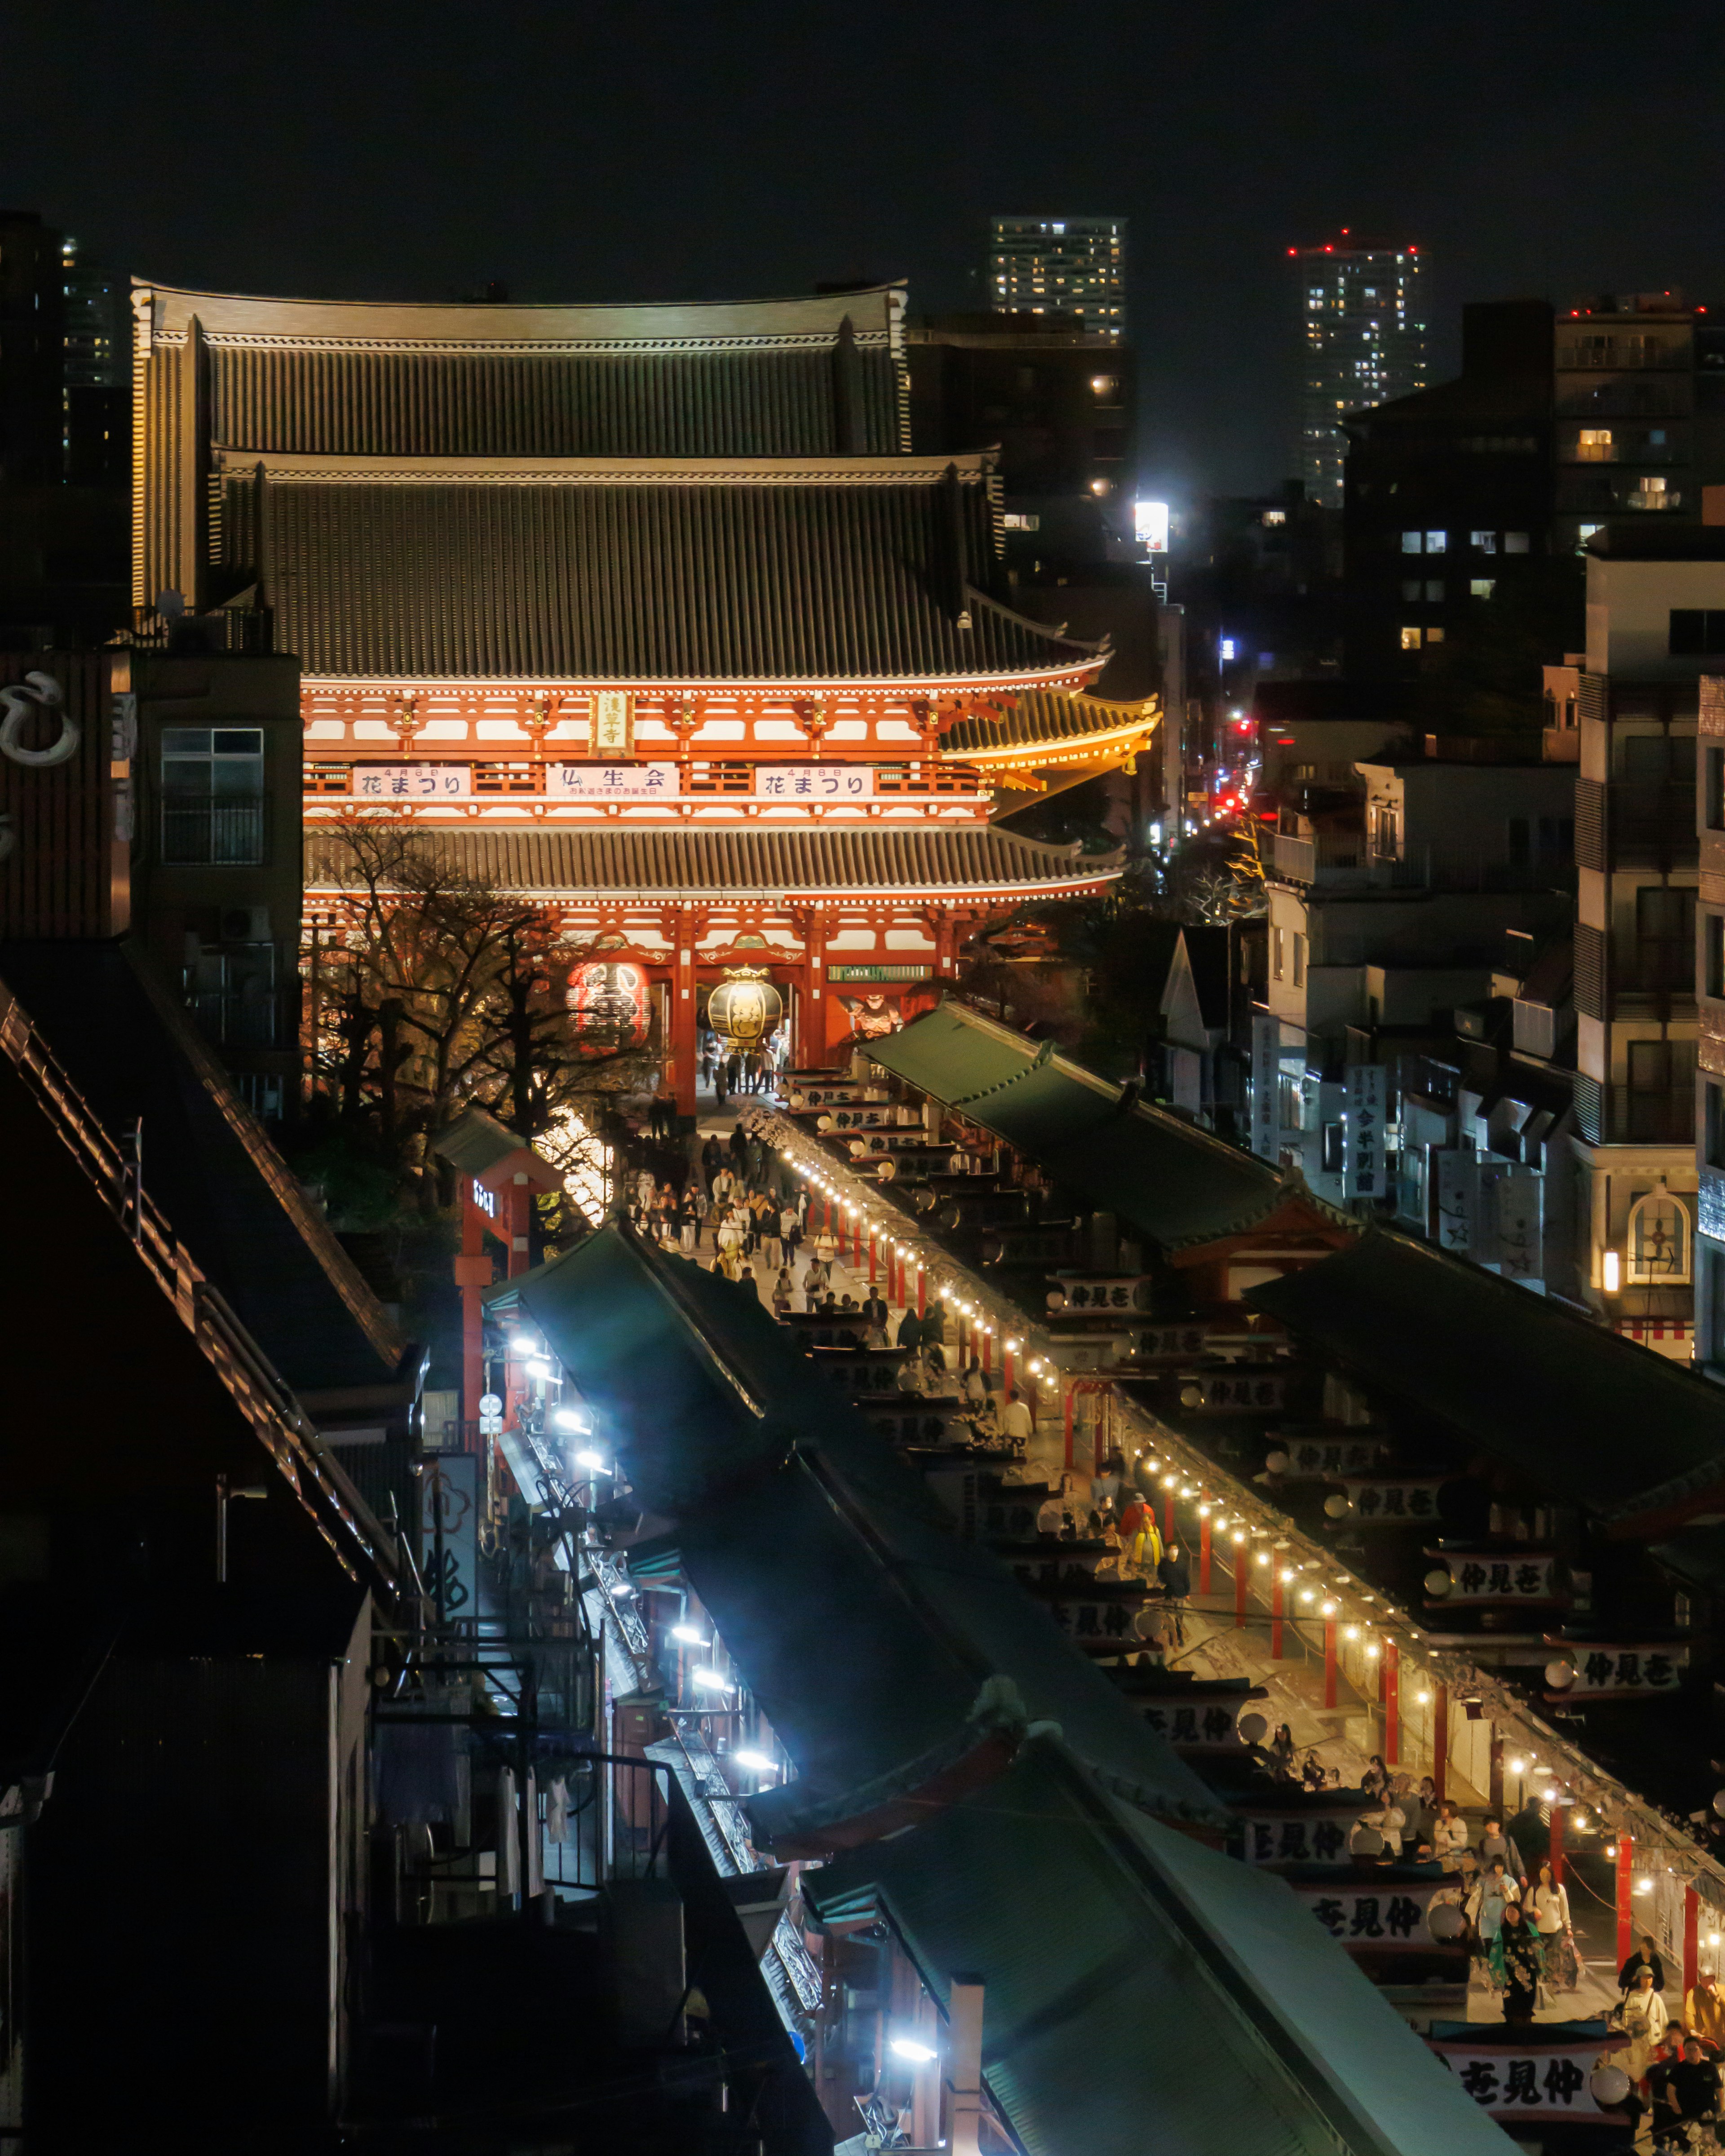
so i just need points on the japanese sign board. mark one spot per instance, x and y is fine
(611, 782)
(1298, 1838)
(880, 1117)
(1266, 1085)
(1519, 1239)
(1155, 1340)
(450, 1498)
(1330, 1458)
(1365, 1159)
(814, 782)
(1131, 1292)
(823, 1097)
(1510, 1578)
(919, 1426)
(614, 723)
(1612, 1672)
(1527, 2080)
(1457, 1199)
(1380, 1917)
(411, 781)
(1223, 1392)
(1393, 1501)
(1202, 1725)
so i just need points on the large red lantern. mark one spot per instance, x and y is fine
(607, 1003)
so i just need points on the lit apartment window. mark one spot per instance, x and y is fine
(1593, 446)
(1433, 636)
(1436, 541)
(1411, 639)
(1483, 542)
(1713, 955)
(1299, 960)
(1275, 516)
(212, 794)
(1018, 519)
(1278, 942)
(1480, 588)
(1413, 542)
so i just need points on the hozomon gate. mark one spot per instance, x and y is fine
(646, 613)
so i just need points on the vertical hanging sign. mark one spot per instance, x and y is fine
(1365, 1161)
(614, 723)
(1518, 1237)
(1457, 1199)
(1266, 1086)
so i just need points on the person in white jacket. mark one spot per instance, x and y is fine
(1548, 1906)
(1645, 2022)
(1449, 1837)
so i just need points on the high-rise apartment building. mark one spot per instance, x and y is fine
(1365, 343)
(96, 399)
(1060, 265)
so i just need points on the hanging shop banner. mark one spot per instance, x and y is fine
(1328, 1460)
(411, 781)
(614, 724)
(862, 1370)
(1266, 1086)
(1310, 1838)
(1611, 1672)
(1130, 1291)
(1222, 1392)
(1398, 1502)
(1365, 1159)
(823, 1097)
(1384, 1916)
(1203, 1725)
(1486, 1578)
(882, 1117)
(449, 1535)
(814, 782)
(1158, 1340)
(1526, 2079)
(1517, 1195)
(1457, 1199)
(611, 782)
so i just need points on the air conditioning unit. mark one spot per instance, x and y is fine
(245, 924)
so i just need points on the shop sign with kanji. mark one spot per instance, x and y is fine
(823, 1097)
(1393, 1501)
(863, 1119)
(1313, 1837)
(404, 783)
(611, 782)
(1528, 2079)
(1200, 1725)
(1106, 1295)
(815, 781)
(1603, 1671)
(1382, 1918)
(1157, 1339)
(1330, 1458)
(1487, 1577)
(1225, 1392)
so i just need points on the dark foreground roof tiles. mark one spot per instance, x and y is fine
(1533, 1384)
(1173, 1183)
(821, 573)
(739, 863)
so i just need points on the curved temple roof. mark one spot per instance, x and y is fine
(1053, 723)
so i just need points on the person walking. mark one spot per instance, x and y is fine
(1704, 2011)
(790, 1231)
(910, 1331)
(1281, 1753)
(1493, 1891)
(1449, 1837)
(1518, 1963)
(781, 1293)
(975, 1390)
(1495, 1842)
(1175, 1574)
(1646, 1956)
(1548, 1906)
(1645, 2018)
(1017, 1425)
(1375, 1781)
(1688, 2090)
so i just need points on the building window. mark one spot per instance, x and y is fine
(1434, 594)
(1658, 1240)
(1411, 590)
(1483, 542)
(1433, 636)
(1665, 937)
(1713, 955)
(1695, 633)
(1515, 542)
(1520, 841)
(1018, 519)
(1272, 516)
(1384, 830)
(1413, 542)
(213, 795)
(1713, 1138)
(1410, 639)
(1713, 787)
(1595, 446)
(1436, 541)
(1299, 960)
(1480, 588)
(1278, 939)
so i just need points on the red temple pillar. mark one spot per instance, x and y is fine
(473, 1275)
(1276, 1588)
(683, 1014)
(1692, 1936)
(1204, 1548)
(1557, 1845)
(1072, 1396)
(921, 1292)
(1330, 1661)
(1625, 1891)
(1392, 1703)
(1168, 1514)
(1240, 1586)
(988, 1352)
(1439, 1737)
(1006, 1367)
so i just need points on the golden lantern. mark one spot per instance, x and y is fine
(745, 1009)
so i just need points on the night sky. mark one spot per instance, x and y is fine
(747, 147)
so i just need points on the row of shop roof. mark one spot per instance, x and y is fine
(883, 1650)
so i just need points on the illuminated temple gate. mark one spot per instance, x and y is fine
(644, 614)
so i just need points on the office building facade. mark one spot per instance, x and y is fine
(1364, 328)
(1060, 265)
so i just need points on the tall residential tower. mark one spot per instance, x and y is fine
(1060, 265)
(1365, 344)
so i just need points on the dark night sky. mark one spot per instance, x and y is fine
(747, 147)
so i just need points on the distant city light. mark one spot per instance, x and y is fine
(1150, 524)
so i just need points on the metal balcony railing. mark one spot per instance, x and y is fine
(214, 830)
